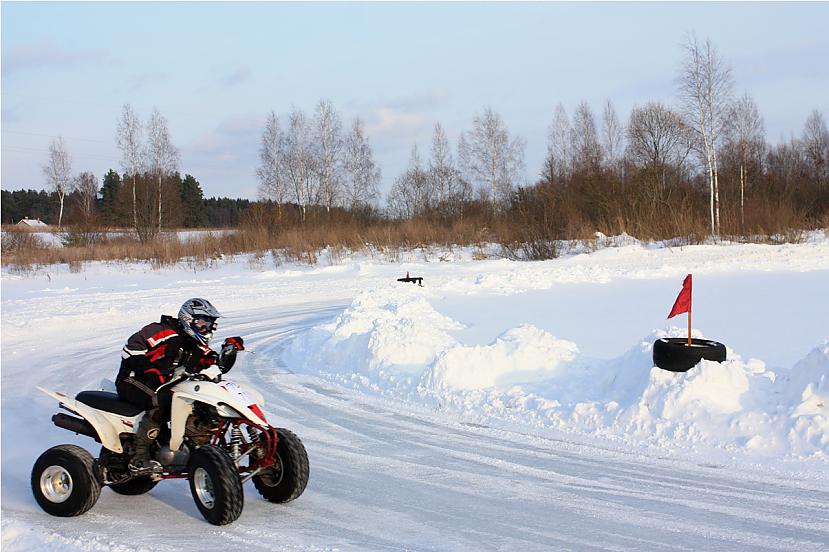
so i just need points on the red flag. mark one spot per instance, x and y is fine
(683, 300)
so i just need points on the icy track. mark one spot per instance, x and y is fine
(412, 451)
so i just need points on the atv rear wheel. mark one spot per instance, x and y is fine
(64, 482)
(286, 480)
(215, 485)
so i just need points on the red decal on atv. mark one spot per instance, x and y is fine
(128, 424)
(256, 410)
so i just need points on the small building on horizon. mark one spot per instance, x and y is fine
(32, 223)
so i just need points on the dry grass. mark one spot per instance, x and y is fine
(533, 233)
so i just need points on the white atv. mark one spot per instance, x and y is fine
(218, 439)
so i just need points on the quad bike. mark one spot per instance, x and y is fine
(218, 439)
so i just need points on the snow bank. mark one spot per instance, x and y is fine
(385, 338)
(394, 342)
(520, 355)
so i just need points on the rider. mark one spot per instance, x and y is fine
(150, 357)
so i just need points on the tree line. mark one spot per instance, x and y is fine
(701, 166)
(110, 205)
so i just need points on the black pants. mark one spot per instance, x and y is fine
(157, 405)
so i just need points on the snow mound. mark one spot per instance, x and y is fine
(520, 355)
(384, 335)
(808, 390)
(393, 341)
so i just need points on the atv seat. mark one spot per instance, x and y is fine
(109, 402)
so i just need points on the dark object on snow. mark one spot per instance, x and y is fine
(674, 354)
(415, 280)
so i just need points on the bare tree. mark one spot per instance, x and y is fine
(587, 152)
(411, 194)
(705, 85)
(558, 163)
(329, 143)
(442, 170)
(86, 190)
(658, 139)
(815, 142)
(745, 134)
(299, 160)
(612, 138)
(495, 159)
(162, 155)
(58, 171)
(272, 182)
(362, 175)
(129, 138)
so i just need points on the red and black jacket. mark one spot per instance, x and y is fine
(152, 353)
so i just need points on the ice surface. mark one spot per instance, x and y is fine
(503, 406)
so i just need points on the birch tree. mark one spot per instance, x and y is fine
(612, 138)
(129, 139)
(86, 190)
(745, 134)
(496, 160)
(815, 142)
(362, 175)
(442, 170)
(558, 163)
(272, 181)
(58, 171)
(329, 143)
(162, 155)
(587, 152)
(299, 160)
(705, 85)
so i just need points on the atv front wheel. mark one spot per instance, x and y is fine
(287, 479)
(63, 481)
(215, 485)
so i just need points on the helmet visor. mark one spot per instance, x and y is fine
(203, 325)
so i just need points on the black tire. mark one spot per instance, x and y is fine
(64, 482)
(674, 354)
(133, 487)
(287, 480)
(215, 485)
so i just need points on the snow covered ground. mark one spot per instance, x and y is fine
(504, 405)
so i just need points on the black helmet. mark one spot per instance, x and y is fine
(198, 319)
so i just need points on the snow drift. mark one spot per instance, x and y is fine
(394, 342)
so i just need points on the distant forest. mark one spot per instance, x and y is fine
(191, 210)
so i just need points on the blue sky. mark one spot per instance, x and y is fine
(216, 69)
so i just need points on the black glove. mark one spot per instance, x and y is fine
(205, 360)
(236, 342)
(229, 348)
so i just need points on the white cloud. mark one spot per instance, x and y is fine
(38, 55)
(233, 75)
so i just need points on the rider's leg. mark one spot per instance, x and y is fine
(145, 435)
(148, 428)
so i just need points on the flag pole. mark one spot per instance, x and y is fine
(689, 325)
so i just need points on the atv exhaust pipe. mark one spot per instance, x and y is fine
(78, 425)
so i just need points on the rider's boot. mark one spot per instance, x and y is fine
(146, 434)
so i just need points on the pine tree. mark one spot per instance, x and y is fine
(192, 199)
(109, 191)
